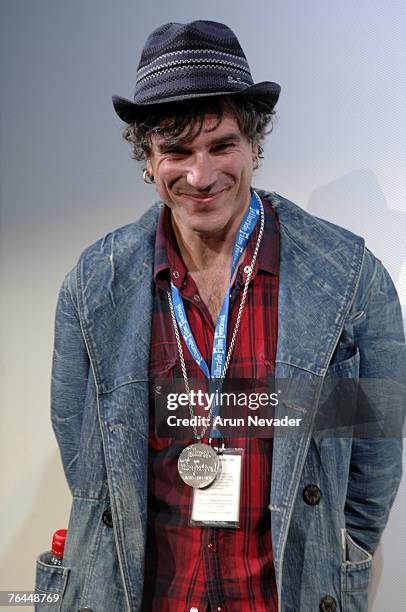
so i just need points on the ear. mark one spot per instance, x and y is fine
(149, 167)
(255, 150)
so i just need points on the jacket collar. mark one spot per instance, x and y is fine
(167, 254)
(319, 269)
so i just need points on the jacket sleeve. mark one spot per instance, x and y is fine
(376, 462)
(70, 371)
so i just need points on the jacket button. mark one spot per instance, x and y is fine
(311, 494)
(107, 517)
(328, 604)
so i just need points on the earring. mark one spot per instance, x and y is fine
(255, 163)
(148, 179)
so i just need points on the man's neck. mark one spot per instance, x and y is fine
(208, 260)
(201, 251)
(204, 252)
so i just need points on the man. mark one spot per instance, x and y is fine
(218, 282)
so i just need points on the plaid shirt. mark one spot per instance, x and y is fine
(193, 568)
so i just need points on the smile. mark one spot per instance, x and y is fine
(202, 198)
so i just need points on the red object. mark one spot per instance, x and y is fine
(58, 542)
(186, 567)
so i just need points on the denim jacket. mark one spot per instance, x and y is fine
(338, 315)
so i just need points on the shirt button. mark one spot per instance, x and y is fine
(175, 274)
(220, 608)
(247, 269)
(212, 547)
(196, 298)
(194, 610)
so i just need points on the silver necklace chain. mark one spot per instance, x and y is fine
(233, 337)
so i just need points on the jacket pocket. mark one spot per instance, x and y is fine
(355, 575)
(50, 583)
(345, 363)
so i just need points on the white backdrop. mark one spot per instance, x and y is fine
(66, 179)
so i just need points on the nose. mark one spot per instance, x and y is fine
(201, 173)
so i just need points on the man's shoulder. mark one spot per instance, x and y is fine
(120, 256)
(328, 250)
(135, 236)
(307, 228)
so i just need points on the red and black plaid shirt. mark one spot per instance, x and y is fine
(193, 568)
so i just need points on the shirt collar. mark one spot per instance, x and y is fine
(169, 262)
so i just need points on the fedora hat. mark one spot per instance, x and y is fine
(181, 61)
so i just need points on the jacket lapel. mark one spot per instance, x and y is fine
(115, 278)
(319, 270)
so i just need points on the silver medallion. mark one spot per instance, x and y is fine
(198, 465)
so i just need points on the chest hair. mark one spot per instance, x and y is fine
(212, 285)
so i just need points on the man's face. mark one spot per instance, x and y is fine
(205, 181)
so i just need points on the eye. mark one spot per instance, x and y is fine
(223, 147)
(176, 155)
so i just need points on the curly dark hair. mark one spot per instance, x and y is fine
(253, 117)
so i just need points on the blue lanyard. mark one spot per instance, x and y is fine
(220, 333)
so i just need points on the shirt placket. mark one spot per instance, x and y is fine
(210, 536)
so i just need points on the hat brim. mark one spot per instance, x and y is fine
(266, 92)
